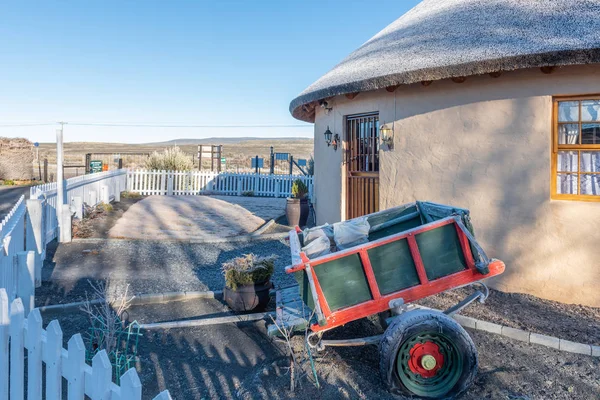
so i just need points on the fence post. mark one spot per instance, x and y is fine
(53, 357)
(74, 367)
(93, 198)
(34, 355)
(77, 203)
(170, 185)
(4, 335)
(34, 236)
(117, 190)
(104, 194)
(101, 376)
(17, 350)
(131, 387)
(26, 279)
(65, 226)
(45, 170)
(239, 186)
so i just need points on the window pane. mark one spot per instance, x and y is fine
(590, 185)
(566, 184)
(590, 110)
(590, 133)
(567, 161)
(590, 161)
(568, 111)
(568, 134)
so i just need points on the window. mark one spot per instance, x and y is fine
(576, 149)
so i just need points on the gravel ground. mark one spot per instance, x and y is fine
(147, 266)
(566, 321)
(240, 362)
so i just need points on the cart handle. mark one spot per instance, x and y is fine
(483, 264)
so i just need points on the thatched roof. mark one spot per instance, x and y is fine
(441, 39)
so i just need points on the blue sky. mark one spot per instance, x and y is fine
(176, 62)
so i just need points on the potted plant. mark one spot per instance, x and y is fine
(247, 282)
(296, 209)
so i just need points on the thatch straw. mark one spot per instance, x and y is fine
(453, 38)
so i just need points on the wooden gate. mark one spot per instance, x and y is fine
(362, 164)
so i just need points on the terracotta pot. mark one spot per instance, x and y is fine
(296, 211)
(248, 297)
(292, 211)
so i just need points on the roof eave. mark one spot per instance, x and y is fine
(558, 58)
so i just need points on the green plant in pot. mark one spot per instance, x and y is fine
(248, 281)
(296, 209)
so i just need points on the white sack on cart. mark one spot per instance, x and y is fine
(351, 233)
(311, 234)
(318, 247)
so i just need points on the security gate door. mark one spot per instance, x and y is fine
(362, 164)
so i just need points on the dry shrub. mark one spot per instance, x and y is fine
(171, 159)
(248, 269)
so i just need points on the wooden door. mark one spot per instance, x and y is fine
(362, 164)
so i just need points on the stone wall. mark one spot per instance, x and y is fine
(16, 157)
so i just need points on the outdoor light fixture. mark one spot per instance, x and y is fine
(331, 139)
(386, 135)
(325, 106)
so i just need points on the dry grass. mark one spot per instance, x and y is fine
(236, 154)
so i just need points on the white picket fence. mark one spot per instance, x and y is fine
(48, 360)
(178, 183)
(12, 239)
(91, 189)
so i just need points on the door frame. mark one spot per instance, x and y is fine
(345, 167)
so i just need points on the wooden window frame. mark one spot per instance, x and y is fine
(556, 147)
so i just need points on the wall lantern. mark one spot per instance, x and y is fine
(386, 135)
(331, 139)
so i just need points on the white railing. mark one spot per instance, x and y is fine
(92, 189)
(12, 240)
(178, 183)
(48, 361)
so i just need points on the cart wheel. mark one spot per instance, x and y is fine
(427, 354)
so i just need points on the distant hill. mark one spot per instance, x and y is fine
(221, 140)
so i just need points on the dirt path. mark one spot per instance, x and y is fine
(195, 217)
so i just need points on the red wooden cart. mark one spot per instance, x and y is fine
(413, 251)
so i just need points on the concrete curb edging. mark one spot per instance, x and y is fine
(149, 298)
(243, 238)
(263, 228)
(467, 322)
(528, 337)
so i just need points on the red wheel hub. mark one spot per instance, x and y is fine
(425, 359)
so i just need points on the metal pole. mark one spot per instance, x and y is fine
(60, 185)
(199, 157)
(88, 160)
(45, 170)
(256, 164)
(219, 157)
(272, 168)
(291, 164)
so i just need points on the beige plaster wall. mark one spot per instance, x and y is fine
(484, 145)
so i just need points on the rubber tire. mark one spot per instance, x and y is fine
(413, 322)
